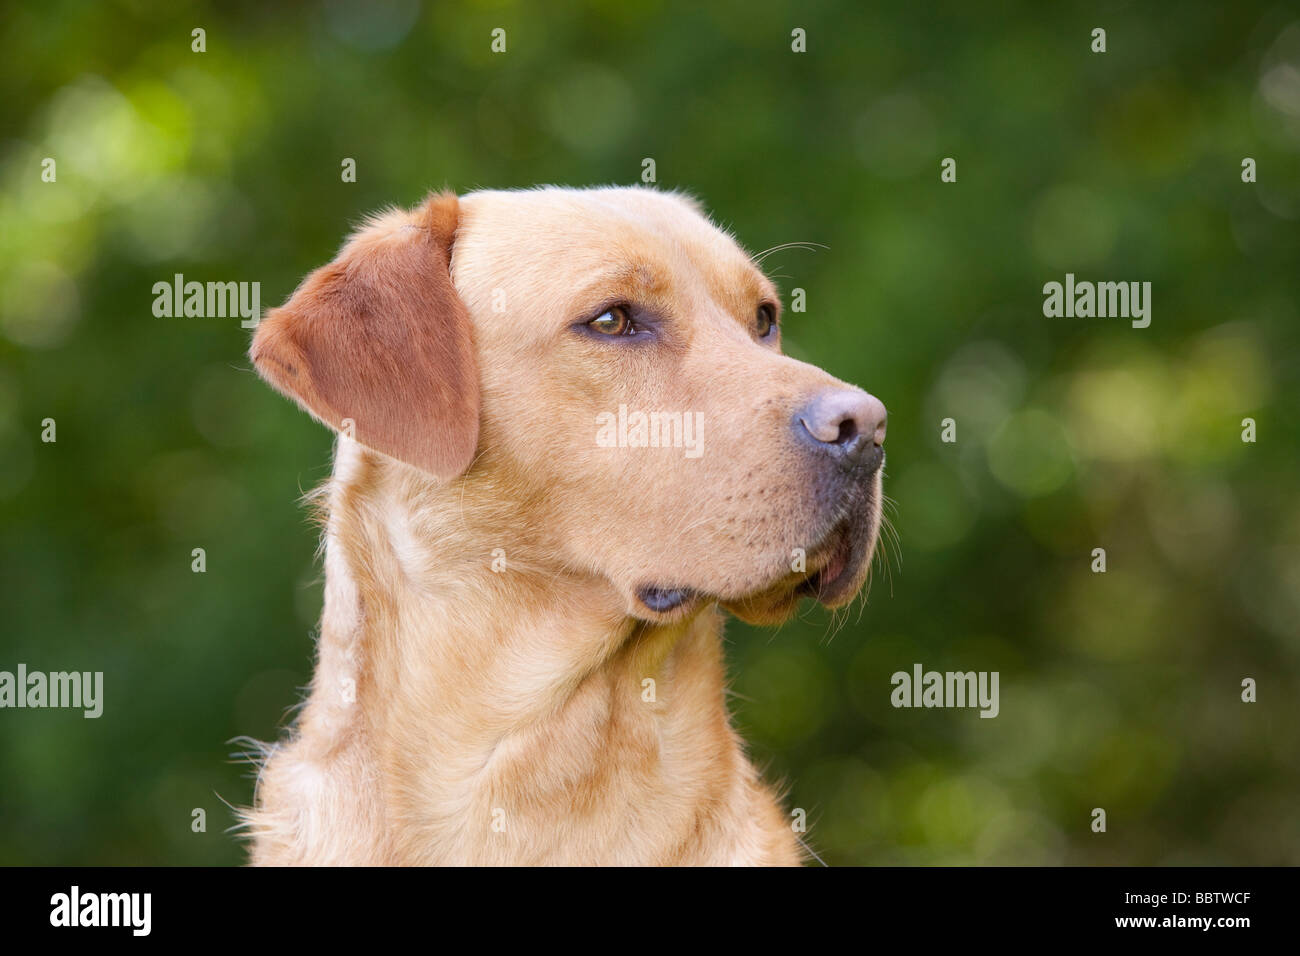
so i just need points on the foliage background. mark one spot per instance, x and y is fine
(1118, 690)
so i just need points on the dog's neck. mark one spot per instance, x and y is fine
(475, 704)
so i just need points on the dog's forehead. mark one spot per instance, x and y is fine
(528, 234)
(588, 213)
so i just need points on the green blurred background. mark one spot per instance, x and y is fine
(1118, 690)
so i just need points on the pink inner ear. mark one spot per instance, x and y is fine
(380, 336)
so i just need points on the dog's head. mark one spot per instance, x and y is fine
(610, 363)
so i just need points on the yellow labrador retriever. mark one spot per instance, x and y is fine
(568, 439)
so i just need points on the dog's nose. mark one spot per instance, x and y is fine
(846, 423)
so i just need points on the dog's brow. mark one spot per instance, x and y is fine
(741, 290)
(623, 279)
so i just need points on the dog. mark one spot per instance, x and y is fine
(520, 653)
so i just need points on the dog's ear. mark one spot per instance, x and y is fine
(380, 336)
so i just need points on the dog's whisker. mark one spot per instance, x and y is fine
(799, 244)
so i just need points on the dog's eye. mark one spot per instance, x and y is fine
(615, 321)
(766, 320)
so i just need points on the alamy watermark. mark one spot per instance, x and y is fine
(636, 429)
(77, 689)
(208, 300)
(75, 908)
(1084, 300)
(923, 688)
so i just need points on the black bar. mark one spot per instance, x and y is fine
(926, 905)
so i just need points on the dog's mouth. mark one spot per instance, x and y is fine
(834, 572)
(837, 560)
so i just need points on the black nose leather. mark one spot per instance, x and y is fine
(845, 424)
